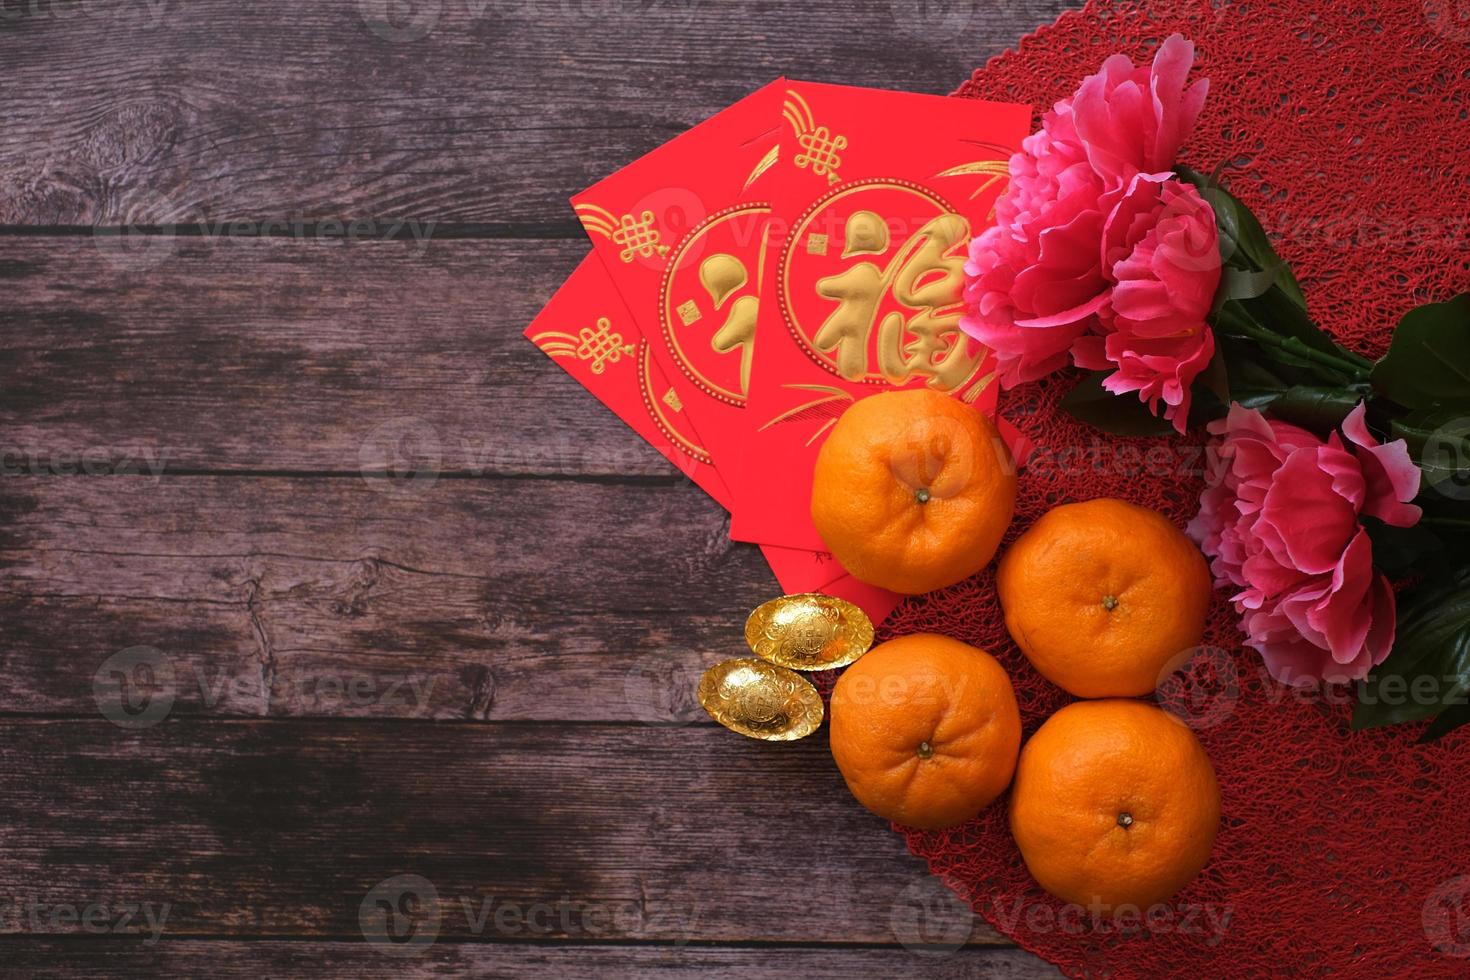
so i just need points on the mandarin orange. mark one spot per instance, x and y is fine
(1115, 803)
(925, 730)
(1104, 597)
(913, 490)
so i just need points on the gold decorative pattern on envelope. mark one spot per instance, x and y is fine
(766, 163)
(992, 172)
(826, 409)
(886, 308)
(672, 428)
(819, 148)
(601, 345)
(709, 299)
(637, 235)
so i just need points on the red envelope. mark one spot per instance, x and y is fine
(587, 330)
(874, 199)
(687, 255)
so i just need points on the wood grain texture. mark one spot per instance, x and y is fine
(480, 599)
(488, 112)
(49, 959)
(279, 829)
(323, 228)
(248, 354)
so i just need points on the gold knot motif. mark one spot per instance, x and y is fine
(638, 236)
(602, 346)
(820, 147)
(821, 153)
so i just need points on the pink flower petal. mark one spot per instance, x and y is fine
(1343, 617)
(1045, 268)
(1280, 521)
(1313, 523)
(1392, 478)
(1077, 314)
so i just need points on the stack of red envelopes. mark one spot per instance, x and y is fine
(749, 279)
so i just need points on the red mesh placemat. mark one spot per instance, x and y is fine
(1339, 852)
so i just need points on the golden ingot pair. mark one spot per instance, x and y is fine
(766, 698)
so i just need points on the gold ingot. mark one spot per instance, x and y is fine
(761, 700)
(809, 631)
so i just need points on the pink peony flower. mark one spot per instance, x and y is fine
(1133, 120)
(1280, 520)
(1097, 252)
(1161, 251)
(1034, 281)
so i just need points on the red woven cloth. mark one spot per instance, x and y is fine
(1339, 852)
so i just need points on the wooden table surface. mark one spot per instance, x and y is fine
(260, 699)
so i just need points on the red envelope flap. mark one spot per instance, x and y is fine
(687, 255)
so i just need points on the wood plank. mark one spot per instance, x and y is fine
(60, 958)
(468, 111)
(491, 599)
(250, 354)
(282, 829)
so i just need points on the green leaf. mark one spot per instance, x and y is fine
(1259, 298)
(1238, 283)
(1205, 405)
(1278, 312)
(1439, 441)
(1280, 333)
(1447, 721)
(1428, 669)
(1215, 378)
(1264, 386)
(1244, 369)
(1243, 242)
(1419, 427)
(1392, 696)
(1121, 415)
(1428, 361)
(1125, 415)
(1319, 410)
(1400, 550)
